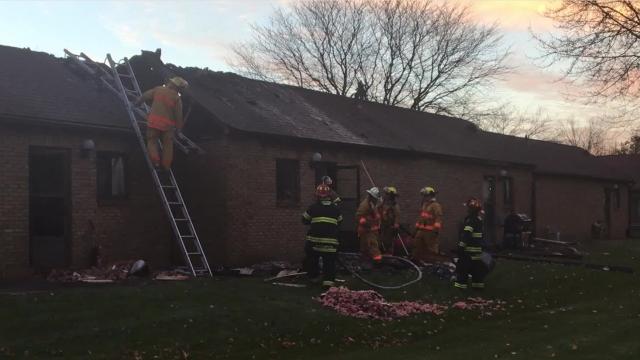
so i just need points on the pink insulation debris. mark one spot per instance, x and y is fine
(368, 304)
(486, 307)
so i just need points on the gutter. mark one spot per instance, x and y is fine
(30, 120)
(585, 177)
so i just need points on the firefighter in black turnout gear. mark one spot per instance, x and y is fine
(470, 249)
(322, 238)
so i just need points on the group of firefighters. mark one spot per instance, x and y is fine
(378, 228)
(378, 215)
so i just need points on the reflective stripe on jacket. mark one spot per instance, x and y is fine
(472, 237)
(324, 219)
(166, 108)
(368, 217)
(430, 217)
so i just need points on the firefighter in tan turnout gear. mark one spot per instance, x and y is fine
(428, 227)
(368, 217)
(164, 119)
(390, 218)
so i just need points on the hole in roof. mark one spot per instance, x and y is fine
(252, 102)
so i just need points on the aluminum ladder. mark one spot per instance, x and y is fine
(122, 81)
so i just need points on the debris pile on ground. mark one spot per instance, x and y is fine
(368, 304)
(445, 270)
(272, 267)
(246, 271)
(173, 275)
(486, 307)
(116, 271)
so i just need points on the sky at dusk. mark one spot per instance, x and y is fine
(198, 33)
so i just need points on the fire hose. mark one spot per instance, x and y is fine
(378, 286)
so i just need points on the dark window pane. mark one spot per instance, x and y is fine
(288, 181)
(508, 191)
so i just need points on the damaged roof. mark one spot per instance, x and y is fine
(36, 86)
(269, 108)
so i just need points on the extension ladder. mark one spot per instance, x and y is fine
(122, 82)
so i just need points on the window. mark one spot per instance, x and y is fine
(111, 176)
(507, 184)
(287, 182)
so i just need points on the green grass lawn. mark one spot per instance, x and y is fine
(553, 312)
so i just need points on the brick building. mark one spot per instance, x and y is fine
(60, 199)
(629, 167)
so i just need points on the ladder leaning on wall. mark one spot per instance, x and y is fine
(120, 80)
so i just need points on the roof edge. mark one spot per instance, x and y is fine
(18, 119)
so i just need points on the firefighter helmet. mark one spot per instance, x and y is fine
(374, 192)
(327, 180)
(428, 190)
(391, 190)
(323, 191)
(179, 82)
(473, 204)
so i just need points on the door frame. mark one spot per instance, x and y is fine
(66, 155)
(607, 211)
(490, 225)
(349, 237)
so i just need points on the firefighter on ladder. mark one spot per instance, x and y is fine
(164, 119)
(368, 217)
(390, 217)
(324, 219)
(428, 227)
(470, 249)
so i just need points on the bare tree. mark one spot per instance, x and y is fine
(421, 54)
(505, 119)
(631, 146)
(597, 42)
(591, 136)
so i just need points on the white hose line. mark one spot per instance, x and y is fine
(378, 286)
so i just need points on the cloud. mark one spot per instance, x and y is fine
(531, 79)
(125, 34)
(512, 15)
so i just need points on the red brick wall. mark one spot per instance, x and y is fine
(571, 205)
(256, 229)
(132, 228)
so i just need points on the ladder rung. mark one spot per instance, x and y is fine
(180, 219)
(174, 203)
(125, 75)
(168, 186)
(187, 236)
(194, 253)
